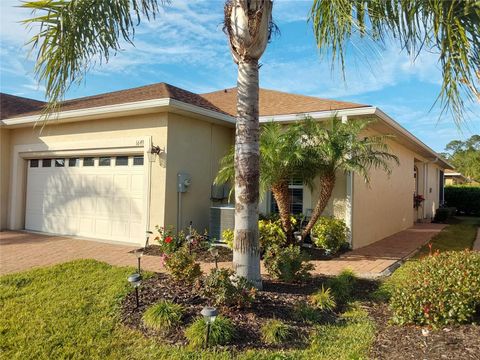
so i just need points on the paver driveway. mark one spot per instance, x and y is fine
(22, 250)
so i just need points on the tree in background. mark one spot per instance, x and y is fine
(465, 156)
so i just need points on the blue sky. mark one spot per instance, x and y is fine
(186, 47)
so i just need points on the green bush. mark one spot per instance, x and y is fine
(163, 316)
(224, 288)
(168, 240)
(443, 214)
(323, 299)
(221, 332)
(465, 198)
(227, 237)
(182, 266)
(287, 264)
(440, 289)
(270, 233)
(342, 286)
(305, 313)
(275, 332)
(330, 234)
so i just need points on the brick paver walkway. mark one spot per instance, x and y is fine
(21, 251)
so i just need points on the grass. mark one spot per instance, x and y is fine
(71, 311)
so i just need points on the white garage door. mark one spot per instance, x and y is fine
(97, 197)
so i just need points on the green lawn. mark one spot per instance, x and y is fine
(71, 311)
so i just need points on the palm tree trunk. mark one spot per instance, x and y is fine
(327, 184)
(282, 197)
(246, 254)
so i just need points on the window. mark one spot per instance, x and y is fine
(46, 162)
(34, 163)
(296, 198)
(59, 162)
(121, 161)
(88, 161)
(138, 160)
(104, 161)
(72, 162)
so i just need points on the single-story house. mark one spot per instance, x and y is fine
(111, 166)
(453, 177)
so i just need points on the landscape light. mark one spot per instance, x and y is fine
(135, 280)
(209, 315)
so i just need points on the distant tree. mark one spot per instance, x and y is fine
(465, 156)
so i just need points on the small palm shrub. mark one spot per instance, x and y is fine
(305, 313)
(270, 234)
(182, 266)
(222, 332)
(440, 289)
(275, 332)
(163, 316)
(330, 234)
(342, 286)
(288, 264)
(223, 287)
(323, 300)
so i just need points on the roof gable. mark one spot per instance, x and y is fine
(11, 105)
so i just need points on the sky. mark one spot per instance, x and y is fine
(185, 47)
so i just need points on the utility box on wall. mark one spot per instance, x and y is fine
(183, 182)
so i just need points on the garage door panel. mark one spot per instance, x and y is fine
(92, 201)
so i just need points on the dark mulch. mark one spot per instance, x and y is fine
(202, 253)
(277, 300)
(407, 342)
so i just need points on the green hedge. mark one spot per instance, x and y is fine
(465, 198)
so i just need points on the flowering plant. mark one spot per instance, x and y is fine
(417, 201)
(167, 239)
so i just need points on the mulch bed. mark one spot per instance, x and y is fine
(276, 301)
(395, 342)
(202, 253)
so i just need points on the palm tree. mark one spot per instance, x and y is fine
(340, 147)
(281, 159)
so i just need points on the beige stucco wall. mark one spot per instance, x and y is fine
(4, 175)
(385, 206)
(154, 125)
(194, 147)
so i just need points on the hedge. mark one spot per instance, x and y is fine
(465, 198)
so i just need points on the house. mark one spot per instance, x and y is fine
(453, 177)
(112, 166)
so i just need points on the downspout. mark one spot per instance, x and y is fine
(349, 199)
(425, 186)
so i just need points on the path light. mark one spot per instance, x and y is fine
(209, 315)
(214, 251)
(135, 280)
(139, 254)
(147, 235)
(189, 238)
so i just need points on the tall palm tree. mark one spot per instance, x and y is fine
(282, 157)
(340, 146)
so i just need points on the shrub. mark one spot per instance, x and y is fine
(330, 234)
(306, 313)
(342, 286)
(440, 289)
(221, 332)
(224, 288)
(227, 236)
(465, 198)
(163, 316)
(182, 266)
(443, 214)
(323, 300)
(275, 332)
(287, 264)
(167, 239)
(270, 234)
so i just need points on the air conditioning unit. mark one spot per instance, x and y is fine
(221, 218)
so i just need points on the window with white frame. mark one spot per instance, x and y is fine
(295, 188)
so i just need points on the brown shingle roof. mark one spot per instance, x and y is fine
(277, 103)
(223, 101)
(11, 105)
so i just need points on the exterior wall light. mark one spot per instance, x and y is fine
(209, 315)
(135, 280)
